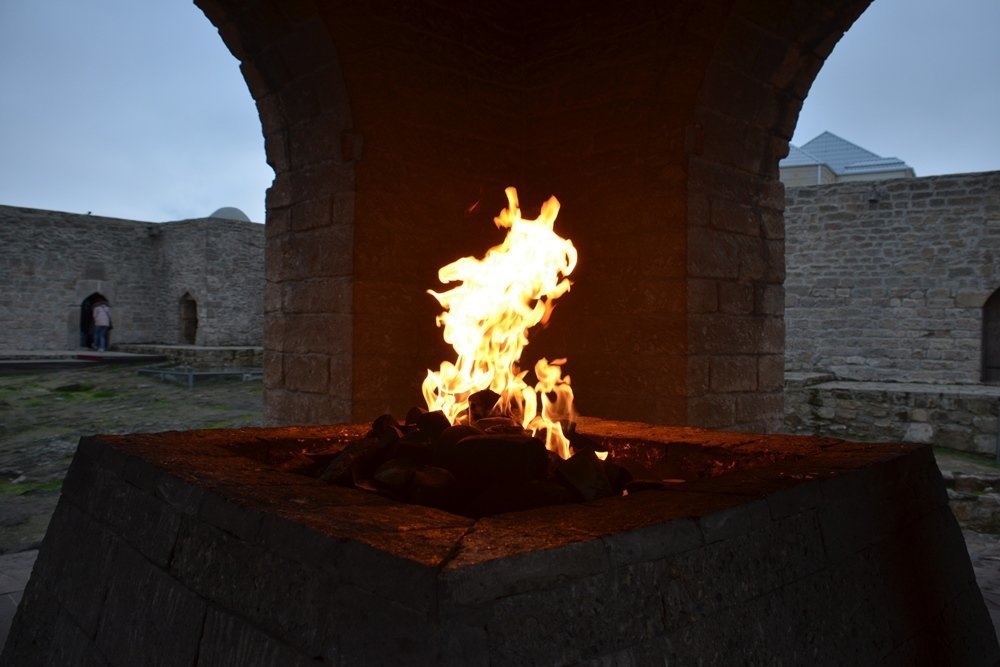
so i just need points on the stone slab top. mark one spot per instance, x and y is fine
(750, 484)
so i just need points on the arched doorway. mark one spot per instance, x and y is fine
(189, 319)
(87, 318)
(991, 338)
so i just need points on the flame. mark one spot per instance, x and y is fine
(486, 319)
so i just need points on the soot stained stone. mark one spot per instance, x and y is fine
(431, 424)
(480, 460)
(585, 473)
(481, 403)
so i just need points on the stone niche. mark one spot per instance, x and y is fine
(190, 548)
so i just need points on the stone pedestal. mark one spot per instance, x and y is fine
(184, 548)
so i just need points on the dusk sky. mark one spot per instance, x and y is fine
(136, 109)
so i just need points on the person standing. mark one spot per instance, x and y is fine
(102, 322)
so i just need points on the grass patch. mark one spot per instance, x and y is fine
(9, 489)
(85, 393)
(74, 388)
(981, 459)
(223, 424)
(103, 393)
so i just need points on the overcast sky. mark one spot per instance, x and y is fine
(918, 80)
(135, 108)
(127, 108)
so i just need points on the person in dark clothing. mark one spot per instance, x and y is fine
(86, 324)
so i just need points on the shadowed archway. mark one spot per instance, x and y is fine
(659, 128)
(991, 338)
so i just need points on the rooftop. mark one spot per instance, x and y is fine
(841, 156)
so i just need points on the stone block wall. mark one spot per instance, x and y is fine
(887, 280)
(51, 261)
(221, 264)
(172, 546)
(962, 417)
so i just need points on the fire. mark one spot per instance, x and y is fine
(486, 319)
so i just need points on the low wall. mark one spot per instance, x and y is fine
(202, 357)
(962, 416)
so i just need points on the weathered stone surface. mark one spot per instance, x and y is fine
(252, 580)
(148, 617)
(794, 550)
(229, 641)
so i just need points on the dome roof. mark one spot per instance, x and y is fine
(230, 213)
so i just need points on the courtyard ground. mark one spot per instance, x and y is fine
(43, 414)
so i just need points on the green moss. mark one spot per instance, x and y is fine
(981, 459)
(9, 489)
(103, 393)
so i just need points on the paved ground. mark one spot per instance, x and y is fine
(14, 572)
(47, 405)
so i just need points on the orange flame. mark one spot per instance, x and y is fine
(486, 319)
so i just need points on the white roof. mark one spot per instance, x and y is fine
(841, 156)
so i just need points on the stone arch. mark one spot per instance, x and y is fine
(83, 290)
(86, 319)
(660, 127)
(991, 338)
(188, 319)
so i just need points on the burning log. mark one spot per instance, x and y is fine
(338, 471)
(432, 424)
(490, 442)
(481, 404)
(468, 470)
(480, 460)
(584, 473)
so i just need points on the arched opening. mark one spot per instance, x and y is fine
(87, 319)
(189, 319)
(665, 157)
(991, 338)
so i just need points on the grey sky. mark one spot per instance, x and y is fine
(135, 109)
(918, 80)
(127, 108)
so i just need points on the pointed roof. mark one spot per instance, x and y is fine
(841, 156)
(799, 158)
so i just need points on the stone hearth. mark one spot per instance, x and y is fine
(187, 548)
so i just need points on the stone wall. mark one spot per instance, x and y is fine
(51, 261)
(221, 264)
(887, 280)
(962, 417)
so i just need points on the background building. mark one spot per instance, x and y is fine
(196, 282)
(830, 159)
